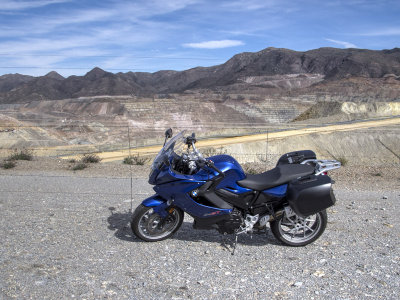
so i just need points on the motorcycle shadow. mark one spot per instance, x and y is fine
(187, 233)
(119, 222)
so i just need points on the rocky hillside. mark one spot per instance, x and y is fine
(11, 81)
(268, 70)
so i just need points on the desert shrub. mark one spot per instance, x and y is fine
(135, 160)
(23, 154)
(253, 168)
(90, 159)
(262, 158)
(207, 152)
(250, 170)
(79, 166)
(8, 164)
(128, 160)
(342, 160)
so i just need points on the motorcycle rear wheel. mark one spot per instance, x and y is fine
(149, 226)
(297, 231)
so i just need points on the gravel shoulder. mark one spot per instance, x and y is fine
(48, 166)
(66, 235)
(372, 177)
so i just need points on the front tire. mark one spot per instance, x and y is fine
(151, 227)
(296, 231)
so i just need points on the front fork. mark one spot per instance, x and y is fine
(159, 205)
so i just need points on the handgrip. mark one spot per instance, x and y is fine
(211, 165)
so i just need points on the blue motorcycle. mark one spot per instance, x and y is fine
(216, 192)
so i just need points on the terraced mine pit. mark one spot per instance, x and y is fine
(113, 123)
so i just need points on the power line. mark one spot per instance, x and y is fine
(90, 68)
(69, 193)
(110, 56)
(96, 56)
(67, 68)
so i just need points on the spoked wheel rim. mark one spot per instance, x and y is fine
(153, 227)
(298, 230)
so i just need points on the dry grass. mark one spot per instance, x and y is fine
(135, 160)
(8, 164)
(90, 159)
(79, 166)
(23, 154)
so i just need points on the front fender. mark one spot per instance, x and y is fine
(158, 204)
(153, 201)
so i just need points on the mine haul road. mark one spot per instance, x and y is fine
(217, 142)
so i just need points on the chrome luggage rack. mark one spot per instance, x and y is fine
(323, 165)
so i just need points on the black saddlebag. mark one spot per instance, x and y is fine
(296, 157)
(311, 194)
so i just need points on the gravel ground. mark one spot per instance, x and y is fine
(66, 235)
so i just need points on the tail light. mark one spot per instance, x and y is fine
(324, 173)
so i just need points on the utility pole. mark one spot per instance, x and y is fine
(266, 149)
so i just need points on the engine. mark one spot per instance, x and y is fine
(230, 225)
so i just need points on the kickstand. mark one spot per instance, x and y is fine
(234, 245)
(229, 246)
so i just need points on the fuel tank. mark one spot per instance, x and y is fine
(233, 173)
(228, 163)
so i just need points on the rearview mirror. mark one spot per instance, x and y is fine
(168, 133)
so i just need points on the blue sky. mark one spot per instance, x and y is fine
(73, 36)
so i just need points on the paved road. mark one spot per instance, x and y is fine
(67, 237)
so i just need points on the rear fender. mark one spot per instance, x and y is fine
(158, 204)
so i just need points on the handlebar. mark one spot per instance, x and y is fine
(210, 164)
(197, 157)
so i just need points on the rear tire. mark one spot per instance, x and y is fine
(147, 225)
(297, 231)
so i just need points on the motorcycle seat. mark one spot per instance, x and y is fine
(277, 176)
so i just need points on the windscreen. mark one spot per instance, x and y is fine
(175, 144)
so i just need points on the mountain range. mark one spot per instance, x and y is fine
(259, 72)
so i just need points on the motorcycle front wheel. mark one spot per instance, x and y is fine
(149, 226)
(297, 231)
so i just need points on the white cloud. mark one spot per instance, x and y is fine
(215, 44)
(249, 5)
(87, 16)
(138, 10)
(114, 22)
(113, 37)
(342, 43)
(383, 32)
(256, 32)
(12, 5)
